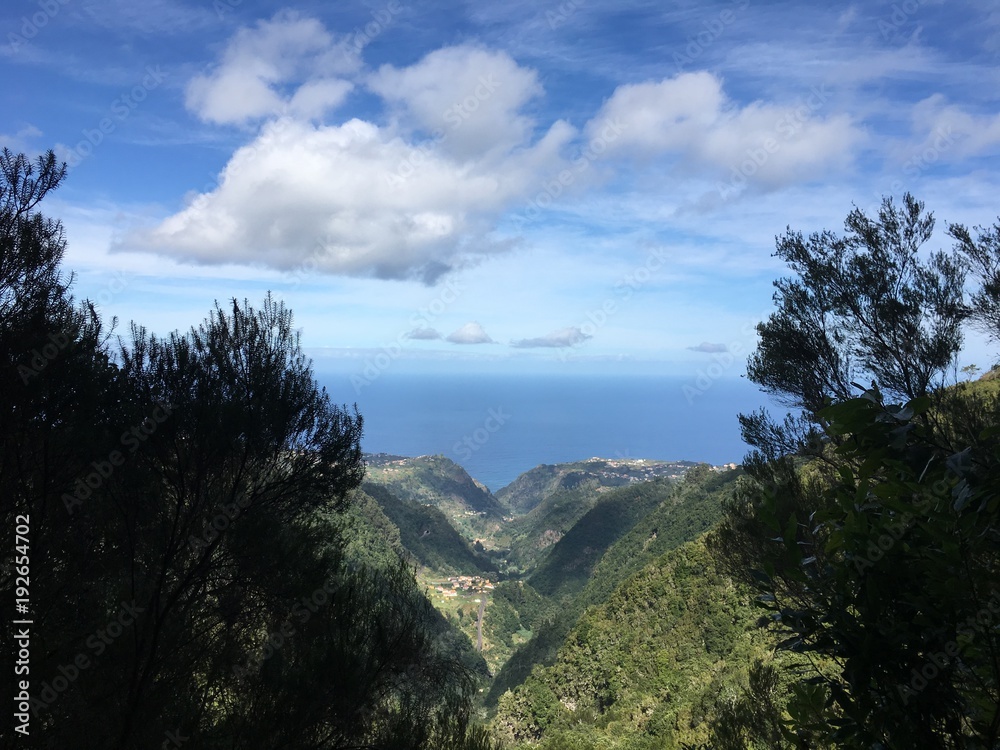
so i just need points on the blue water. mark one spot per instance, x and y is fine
(499, 426)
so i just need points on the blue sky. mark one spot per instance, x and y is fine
(517, 185)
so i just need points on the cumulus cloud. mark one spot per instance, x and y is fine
(690, 116)
(417, 190)
(469, 98)
(423, 334)
(331, 196)
(288, 63)
(357, 198)
(563, 337)
(470, 333)
(709, 348)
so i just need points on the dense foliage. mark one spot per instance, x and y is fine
(878, 558)
(887, 571)
(205, 564)
(438, 481)
(684, 511)
(532, 487)
(693, 506)
(644, 669)
(565, 570)
(185, 499)
(427, 536)
(532, 536)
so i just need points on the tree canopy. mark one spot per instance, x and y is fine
(185, 497)
(878, 558)
(868, 305)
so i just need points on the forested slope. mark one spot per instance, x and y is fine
(685, 510)
(645, 668)
(426, 535)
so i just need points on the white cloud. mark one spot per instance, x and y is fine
(563, 337)
(470, 333)
(359, 198)
(19, 141)
(942, 127)
(424, 334)
(709, 348)
(419, 193)
(690, 118)
(331, 197)
(272, 67)
(314, 98)
(472, 97)
(664, 116)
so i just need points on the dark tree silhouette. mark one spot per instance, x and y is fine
(880, 561)
(859, 307)
(187, 498)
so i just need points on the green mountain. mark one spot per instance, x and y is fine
(578, 543)
(373, 539)
(426, 535)
(521, 611)
(686, 510)
(565, 570)
(531, 488)
(647, 669)
(693, 507)
(531, 536)
(379, 543)
(516, 610)
(438, 481)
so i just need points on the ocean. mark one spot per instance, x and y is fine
(499, 426)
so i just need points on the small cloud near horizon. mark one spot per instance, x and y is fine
(424, 334)
(470, 333)
(557, 339)
(709, 348)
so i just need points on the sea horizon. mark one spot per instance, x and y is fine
(498, 426)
